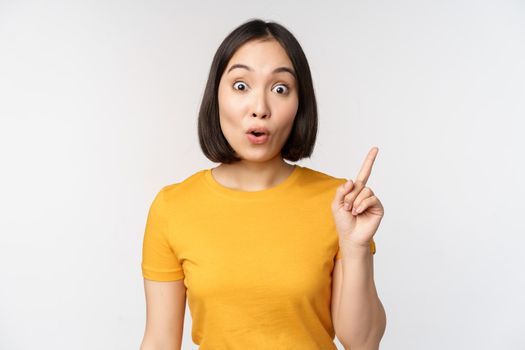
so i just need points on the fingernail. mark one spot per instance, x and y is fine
(346, 206)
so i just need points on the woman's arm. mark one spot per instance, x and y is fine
(358, 315)
(165, 304)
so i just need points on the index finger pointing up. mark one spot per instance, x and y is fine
(366, 168)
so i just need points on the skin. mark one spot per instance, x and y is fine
(258, 97)
(356, 209)
(358, 315)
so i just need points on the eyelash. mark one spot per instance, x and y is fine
(284, 93)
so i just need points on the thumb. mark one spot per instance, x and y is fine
(341, 192)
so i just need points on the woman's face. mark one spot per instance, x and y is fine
(262, 92)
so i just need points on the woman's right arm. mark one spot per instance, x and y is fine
(165, 307)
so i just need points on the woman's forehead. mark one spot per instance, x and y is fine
(260, 53)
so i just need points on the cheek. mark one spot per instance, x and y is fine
(230, 120)
(288, 111)
(290, 105)
(292, 109)
(227, 112)
(230, 123)
(230, 107)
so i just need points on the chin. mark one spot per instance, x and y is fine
(255, 155)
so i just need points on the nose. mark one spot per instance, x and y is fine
(261, 108)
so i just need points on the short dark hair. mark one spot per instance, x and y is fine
(301, 141)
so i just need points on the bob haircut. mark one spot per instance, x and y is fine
(301, 141)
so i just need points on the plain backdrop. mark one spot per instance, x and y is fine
(98, 106)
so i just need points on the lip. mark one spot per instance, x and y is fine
(258, 140)
(258, 129)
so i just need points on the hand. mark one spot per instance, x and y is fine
(357, 222)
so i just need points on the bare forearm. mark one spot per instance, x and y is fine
(361, 313)
(150, 343)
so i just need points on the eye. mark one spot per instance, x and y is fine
(241, 84)
(282, 87)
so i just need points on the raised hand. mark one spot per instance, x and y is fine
(356, 209)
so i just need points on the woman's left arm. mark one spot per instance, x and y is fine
(358, 315)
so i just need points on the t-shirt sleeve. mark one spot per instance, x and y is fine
(159, 262)
(372, 249)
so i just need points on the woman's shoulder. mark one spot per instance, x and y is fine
(314, 175)
(184, 184)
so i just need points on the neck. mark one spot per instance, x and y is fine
(252, 176)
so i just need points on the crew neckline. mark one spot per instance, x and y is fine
(260, 194)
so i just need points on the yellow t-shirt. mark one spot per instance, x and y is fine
(257, 265)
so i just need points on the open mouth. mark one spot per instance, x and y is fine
(258, 137)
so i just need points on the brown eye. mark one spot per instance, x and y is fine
(241, 84)
(281, 89)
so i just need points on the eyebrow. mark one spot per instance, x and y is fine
(276, 70)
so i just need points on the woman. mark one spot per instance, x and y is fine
(255, 241)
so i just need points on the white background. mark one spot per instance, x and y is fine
(98, 107)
